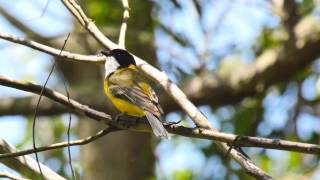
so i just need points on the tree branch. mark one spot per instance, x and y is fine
(55, 52)
(60, 145)
(128, 123)
(55, 96)
(123, 29)
(26, 164)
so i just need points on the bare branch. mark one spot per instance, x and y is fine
(123, 29)
(26, 164)
(236, 140)
(58, 97)
(55, 52)
(247, 141)
(60, 145)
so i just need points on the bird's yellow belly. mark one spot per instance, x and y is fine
(122, 105)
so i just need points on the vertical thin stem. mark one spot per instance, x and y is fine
(123, 29)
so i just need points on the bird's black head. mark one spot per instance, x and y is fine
(123, 57)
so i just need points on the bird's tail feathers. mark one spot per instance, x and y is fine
(156, 126)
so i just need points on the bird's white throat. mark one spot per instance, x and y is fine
(110, 65)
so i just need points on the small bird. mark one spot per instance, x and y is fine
(129, 90)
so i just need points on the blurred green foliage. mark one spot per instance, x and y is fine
(183, 175)
(104, 12)
(307, 6)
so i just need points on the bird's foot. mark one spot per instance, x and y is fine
(118, 116)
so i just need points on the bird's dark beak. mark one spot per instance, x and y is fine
(106, 53)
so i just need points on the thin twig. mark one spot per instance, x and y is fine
(52, 51)
(123, 29)
(36, 110)
(45, 8)
(68, 132)
(236, 140)
(69, 112)
(35, 118)
(247, 141)
(43, 11)
(60, 145)
(68, 135)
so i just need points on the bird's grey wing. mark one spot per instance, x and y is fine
(136, 96)
(121, 87)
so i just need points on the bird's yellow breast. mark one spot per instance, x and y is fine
(123, 105)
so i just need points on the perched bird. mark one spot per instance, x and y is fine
(129, 90)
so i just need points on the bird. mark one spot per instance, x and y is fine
(130, 91)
